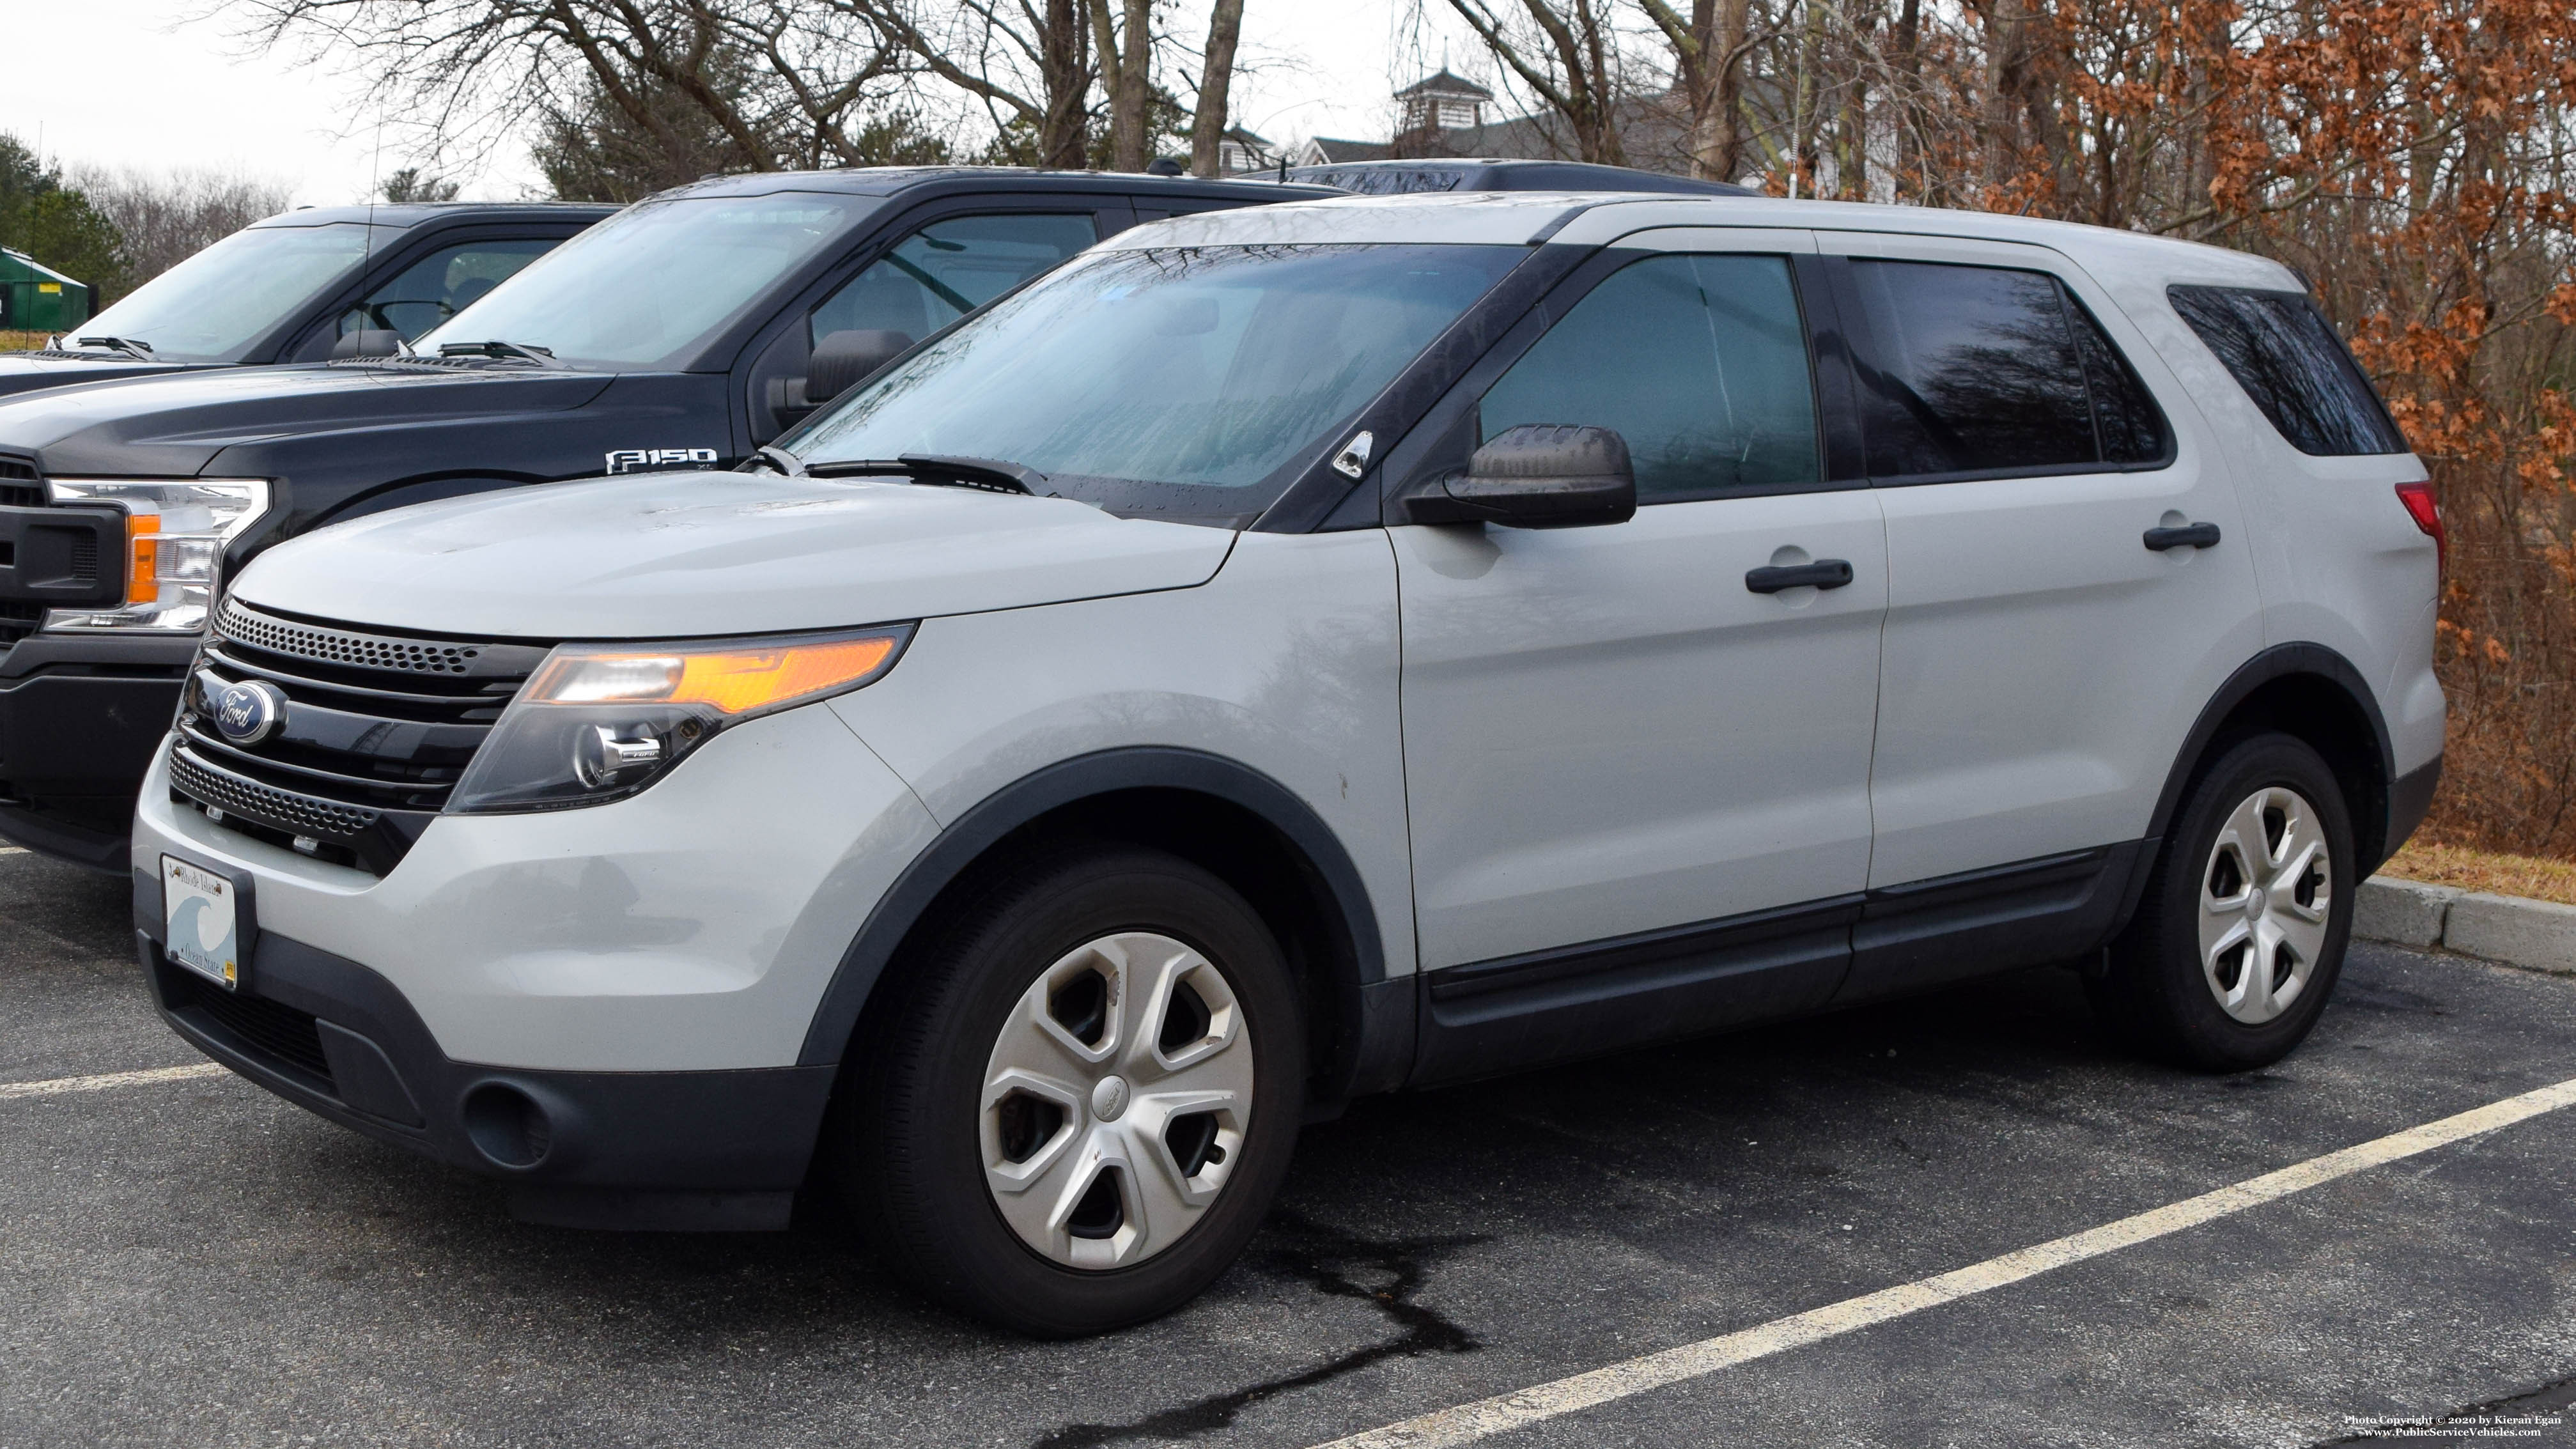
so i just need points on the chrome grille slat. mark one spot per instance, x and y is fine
(204, 741)
(234, 662)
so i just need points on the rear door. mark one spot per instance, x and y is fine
(2043, 658)
(1638, 787)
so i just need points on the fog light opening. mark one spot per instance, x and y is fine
(507, 1126)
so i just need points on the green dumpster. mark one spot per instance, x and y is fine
(36, 298)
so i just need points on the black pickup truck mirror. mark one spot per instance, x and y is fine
(843, 360)
(1537, 475)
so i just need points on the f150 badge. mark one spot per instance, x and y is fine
(632, 460)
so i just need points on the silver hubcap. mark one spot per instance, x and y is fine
(2264, 899)
(1115, 1100)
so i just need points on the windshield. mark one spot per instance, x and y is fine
(1192, 381)
(215, 305)
(651, 285)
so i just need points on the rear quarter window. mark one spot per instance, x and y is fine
(2282, 351)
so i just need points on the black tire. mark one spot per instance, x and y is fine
(2157, 994)
(904, 1152)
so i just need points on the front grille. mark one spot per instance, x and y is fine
(341, 646)
(269, 1031)
(376, 732)
(227, 791)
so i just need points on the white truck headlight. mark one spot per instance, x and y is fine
(175, 533)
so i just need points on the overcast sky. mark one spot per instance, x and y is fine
(138, 83)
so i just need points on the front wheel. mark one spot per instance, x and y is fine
(2241, 933)
(1076, 1108)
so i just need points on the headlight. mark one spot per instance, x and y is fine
(175, 534)
(599, 722)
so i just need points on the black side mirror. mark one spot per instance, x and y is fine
(369, 342)
(1538, 475)
(843, 360)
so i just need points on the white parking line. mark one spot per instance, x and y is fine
(13, 850)
(1469, 1422)
(10, 1091)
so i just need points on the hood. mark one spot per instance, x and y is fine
(172, 425)
(20, 372)
(671, 555)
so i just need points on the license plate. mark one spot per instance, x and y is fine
(203, 914)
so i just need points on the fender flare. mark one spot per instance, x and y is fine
(965, 840)
(2280, 661)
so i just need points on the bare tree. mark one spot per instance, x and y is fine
(1207, 127)
(464, 76)
(1708, 54)
(1567, 54)
(166, 217)
(1028, 62)
(1126, 71)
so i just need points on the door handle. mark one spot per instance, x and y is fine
(2193, 535)
(1824, 573)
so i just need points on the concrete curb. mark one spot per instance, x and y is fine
(2540, 935)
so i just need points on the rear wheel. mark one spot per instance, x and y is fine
(1077, 1109)
(2241, 933)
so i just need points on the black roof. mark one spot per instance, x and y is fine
(891, 180)
(413, 213)
(1441, 173)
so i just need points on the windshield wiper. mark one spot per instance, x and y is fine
(993, 475)
(134, 347)
(777, 458)
(500, 351)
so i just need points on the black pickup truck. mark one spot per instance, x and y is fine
(685, 331)
(306, 286)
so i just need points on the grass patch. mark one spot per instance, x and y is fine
(21, 341)
(2479, 870)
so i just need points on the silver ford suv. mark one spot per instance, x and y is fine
(1294, 653)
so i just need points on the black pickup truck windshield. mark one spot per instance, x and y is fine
(1172, 380)
(216, 305)
(646, 288)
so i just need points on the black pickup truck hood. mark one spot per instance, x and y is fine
(21, 373)
(174, 426)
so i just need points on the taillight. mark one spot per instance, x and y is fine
(2418, 498)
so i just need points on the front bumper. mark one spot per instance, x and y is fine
(692, 927)
(80, 717)
(603, 1007)
(698, 1151)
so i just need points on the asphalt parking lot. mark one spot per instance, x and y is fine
(186, 1260)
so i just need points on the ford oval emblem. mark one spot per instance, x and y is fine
(245, 714)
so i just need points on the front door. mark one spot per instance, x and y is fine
(2044, 657)
(1622, 761)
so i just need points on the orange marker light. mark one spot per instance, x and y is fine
(143, 551)
(730, 681)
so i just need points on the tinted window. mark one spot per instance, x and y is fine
(2124, 412)
(2289, 361)
(948, 269)
(1975, 371)
(1700, 362)
(442, 284)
